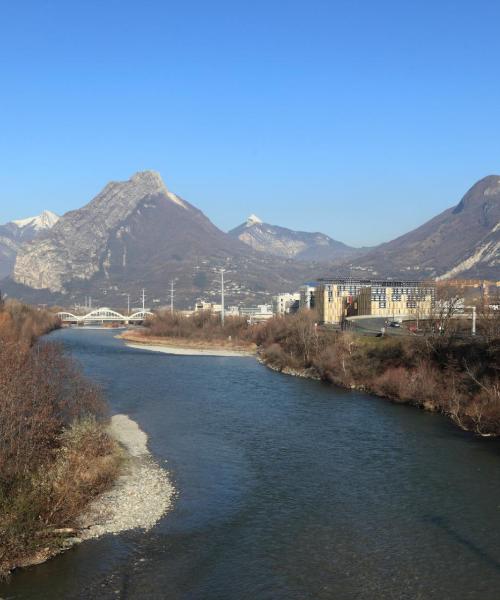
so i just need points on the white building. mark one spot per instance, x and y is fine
(263, 312)
(201, 305)
(285, 303)
(307, 296)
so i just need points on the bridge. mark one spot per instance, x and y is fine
(104, 315)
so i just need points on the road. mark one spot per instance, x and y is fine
(374, 325)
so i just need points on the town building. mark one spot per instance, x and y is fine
(471, 289)
(339, 298)
(255, 314)
(202, 305)
(286, 303)
(307, 295)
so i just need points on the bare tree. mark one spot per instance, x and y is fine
(488, 313)
(449, 303)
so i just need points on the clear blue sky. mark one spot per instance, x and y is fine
(360, 119)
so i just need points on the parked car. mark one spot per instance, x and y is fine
(394, 324)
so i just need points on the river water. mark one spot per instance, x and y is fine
(287, 489)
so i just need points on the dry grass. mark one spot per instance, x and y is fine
(55, 454)
(23, 324)
(40, 509)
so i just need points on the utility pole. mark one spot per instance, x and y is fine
(143, 299)
(172, 296)
(128, 305)
(473, 331)
(222, 296)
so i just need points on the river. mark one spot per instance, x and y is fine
(286, 489)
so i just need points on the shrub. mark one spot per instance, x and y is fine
(202, 325)
(23, 324)
(55, 454)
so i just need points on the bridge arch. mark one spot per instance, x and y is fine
(104, 313)
(67, 316)
(140, 315)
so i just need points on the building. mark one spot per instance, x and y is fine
(471, 289)
(307, 295)
(337, 299)
(286, 303)
(201, 305)
(254, 314)
(232, 311)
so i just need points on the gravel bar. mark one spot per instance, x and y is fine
(141, 495)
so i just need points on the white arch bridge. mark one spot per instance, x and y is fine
(104, 315)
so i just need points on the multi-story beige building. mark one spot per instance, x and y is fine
(337, 299)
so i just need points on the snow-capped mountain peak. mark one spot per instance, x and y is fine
(45, 220)
(253, 220)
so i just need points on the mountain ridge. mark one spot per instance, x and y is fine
(138, 232)
(288, 243)
(14, 233)
(463, 240)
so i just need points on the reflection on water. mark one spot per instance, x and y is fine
(288, 489)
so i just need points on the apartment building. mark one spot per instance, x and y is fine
(307, 295)
(286, 303)
(337, 299)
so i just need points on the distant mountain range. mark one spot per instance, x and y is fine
(298, 245)
(15, 233)
(137, 233)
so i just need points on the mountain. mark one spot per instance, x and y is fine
(31, 226)
(136, 234)
(462, 242)
(286, 243)
(13, 234)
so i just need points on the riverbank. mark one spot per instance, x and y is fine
(455, 376)
(140, 496)
(403, 388)
(186, 347)
(304, 373)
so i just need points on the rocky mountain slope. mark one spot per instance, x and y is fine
(286, 243)
(13, 234)
(138, 234)
(461, 242)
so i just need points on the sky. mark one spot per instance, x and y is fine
(359, 119)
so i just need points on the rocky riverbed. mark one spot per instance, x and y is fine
(142, 494)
